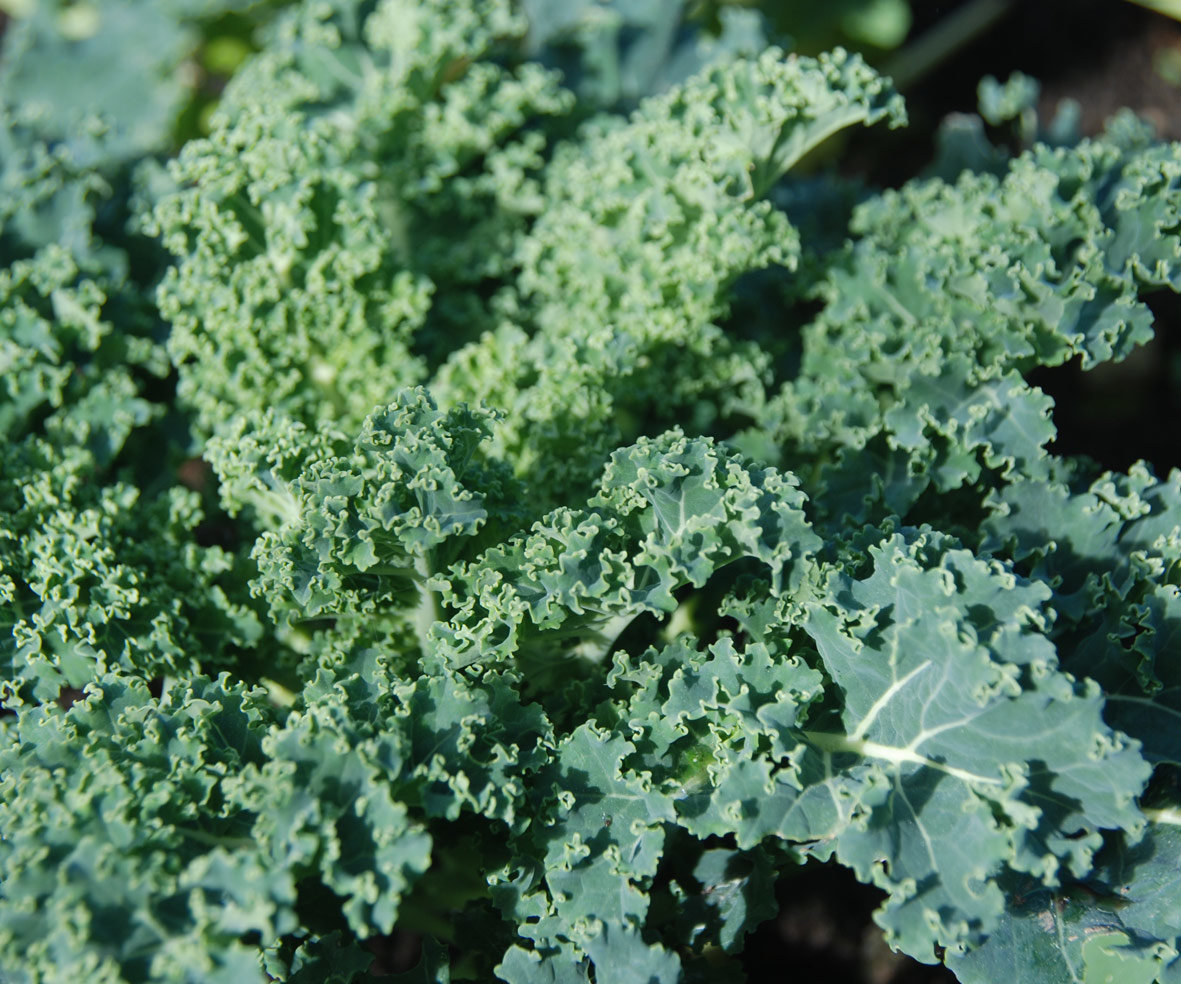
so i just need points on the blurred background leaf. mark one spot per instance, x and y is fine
(1170, 8)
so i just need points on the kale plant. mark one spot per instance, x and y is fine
(517, 509)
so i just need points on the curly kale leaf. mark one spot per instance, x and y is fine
(84, 590)
(76, 351)
(123, 855)
(354, 528)
(1111, 551)
(952, 705)
(648, 224)
(364, 183)
(669, 513)
(612, 54)
(88, 91)
(948, 294)
(1122, 922)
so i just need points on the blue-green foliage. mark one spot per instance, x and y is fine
(513, 508)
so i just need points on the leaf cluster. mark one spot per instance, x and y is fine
(480, 491)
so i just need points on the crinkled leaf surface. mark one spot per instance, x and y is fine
(962, 751)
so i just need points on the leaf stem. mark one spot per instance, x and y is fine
(830, 742)
(426, 613)
(925, 54)
(1169, 815)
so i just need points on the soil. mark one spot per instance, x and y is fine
(1105, 54)
(824, 932)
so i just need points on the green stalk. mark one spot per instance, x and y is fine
(925, 54)
(426, 613)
